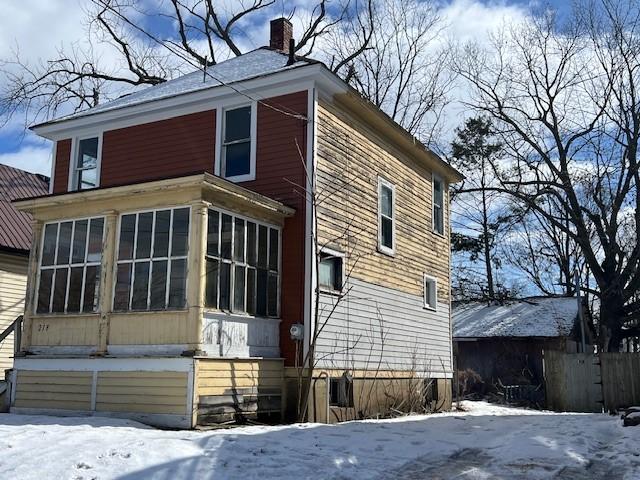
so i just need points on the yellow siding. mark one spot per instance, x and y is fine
(65, 390)
(142, 392)
(13, 283)
(220, 377)
(152, 328)
(350, 158)
(58, 330)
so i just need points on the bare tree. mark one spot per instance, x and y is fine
(565, 100)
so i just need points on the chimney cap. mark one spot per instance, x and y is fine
(281, 34)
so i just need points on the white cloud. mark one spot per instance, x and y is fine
(30, 158)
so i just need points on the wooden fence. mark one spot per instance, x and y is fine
(583, 382)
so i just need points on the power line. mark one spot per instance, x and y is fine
(282, 110)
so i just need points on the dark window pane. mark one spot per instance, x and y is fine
(161, 234)
(44, 291)
(143, 243)
(64, 243)
(386, 201)
(237, 124)
(75, 289)
(59, 290)
(238, 240)
(237, 159)
(95, 239)
(213, 241)
(127, 231)
(225, 241)
(211, 289)
(177, 283)
(251, 244)
(91, 289)
(326, 272)
(49, 246)
(387, 232)
(251, 291)
(180, 232)
(272, 302)
(158, 285)
(79, 243)
(140, 286)
(225, 286)
(273, 249)
(261, 293)
(238, 289)
(88, 153)
(123, 282)
(262, 246)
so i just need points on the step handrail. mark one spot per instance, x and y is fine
(15, 326)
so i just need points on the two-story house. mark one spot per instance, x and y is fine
(205, 234)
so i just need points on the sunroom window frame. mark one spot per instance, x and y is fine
(68, 266)
(150, 260)
(232, 310)
(220, 143)
(391, 251)
(72, 185)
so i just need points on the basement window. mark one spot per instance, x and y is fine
(330, 271)
(243, 265)
(341, 391)
(86, 166)
(152, 260)
(430, 292)
(238, 143)
(386, 217)
(69, 274)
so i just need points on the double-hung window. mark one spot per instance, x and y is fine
(243, 265)
(438, 205)
(152, 260)
(70, 266)
(86, 164)
(386, 217)
(330, 271)
(238, 144)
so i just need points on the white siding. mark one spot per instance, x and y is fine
(379, 328)
(13, 284)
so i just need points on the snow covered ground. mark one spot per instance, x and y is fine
(486, 442)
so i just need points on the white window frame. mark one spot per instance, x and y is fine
(244, 263)
(220, 128)
(332, 253)
(382, 182)
(69, 266)
(438, 178)
(73, 161)
(132, 261)
(430, 303)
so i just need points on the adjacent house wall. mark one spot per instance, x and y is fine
(13, 283)
(381, 323)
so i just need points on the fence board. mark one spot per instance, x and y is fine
(620, 379)
(572, 381)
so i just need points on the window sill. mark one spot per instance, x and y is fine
(330, 291)
(241, 178)
(430, 308)
(239, 316)
(435, 232)
(386, 251)
(37, 316)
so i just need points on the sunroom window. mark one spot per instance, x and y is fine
(85, 173)
(69, 276)
(243, 265)
(236, 143)
(152, 260)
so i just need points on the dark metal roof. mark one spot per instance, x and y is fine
(15, 226)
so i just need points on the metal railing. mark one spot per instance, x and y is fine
(16, 327)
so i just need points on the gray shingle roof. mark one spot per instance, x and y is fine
(256, 63)
(534, 317)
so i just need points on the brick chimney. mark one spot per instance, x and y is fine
(281, 34)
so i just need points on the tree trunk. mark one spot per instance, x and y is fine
(487, 246)
(610, 324)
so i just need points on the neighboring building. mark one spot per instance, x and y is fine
(15, 242)
(177, 251)
(505, 342)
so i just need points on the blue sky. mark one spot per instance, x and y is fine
(58, 23)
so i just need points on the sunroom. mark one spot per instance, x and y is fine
(187, 266)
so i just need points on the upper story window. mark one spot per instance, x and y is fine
(152, 260)
(243, 265)
(438, 205)
(330, 271)
(386, 217)
(69, 274)
(238, 143)
(430, 292)
(86, 164)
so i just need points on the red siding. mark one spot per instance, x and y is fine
(61, 172)
(169, 148)
(278, 169)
